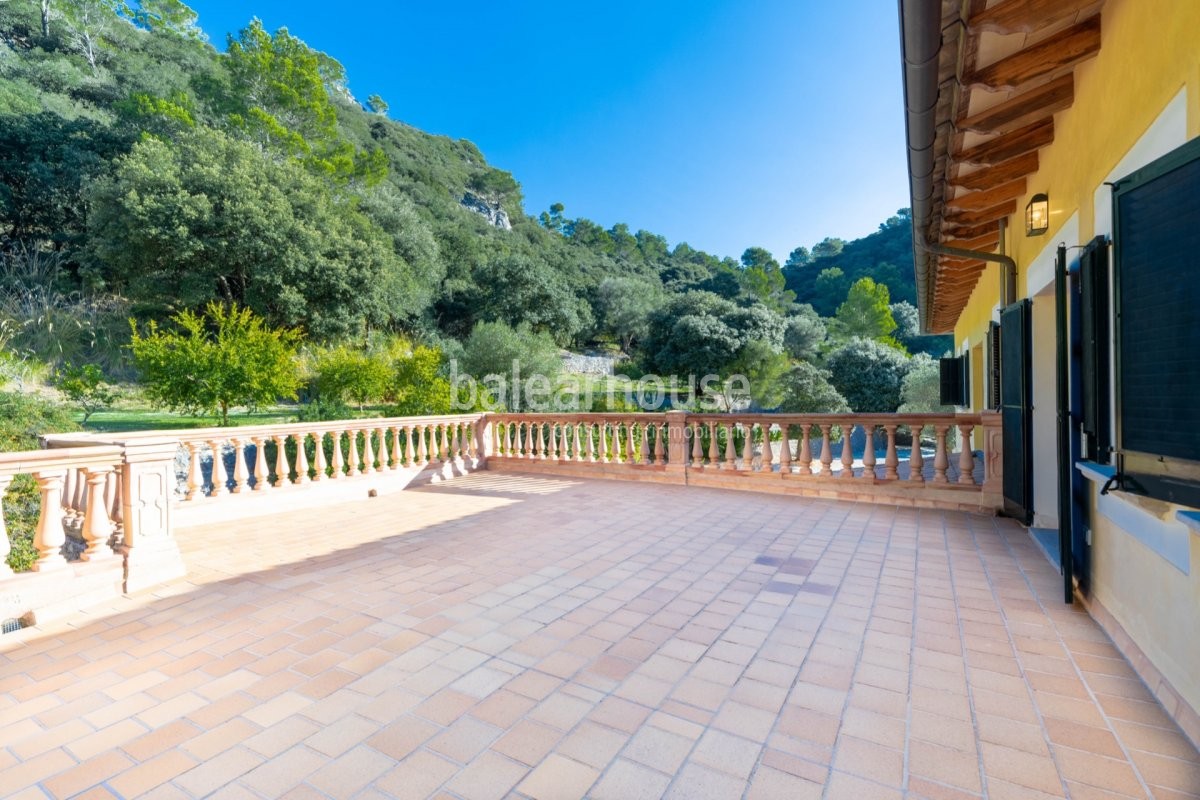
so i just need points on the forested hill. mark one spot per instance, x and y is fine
(149, 168)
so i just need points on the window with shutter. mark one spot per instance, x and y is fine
(993, 366)
(1156, 237)
(955, 381)
(1094, 322)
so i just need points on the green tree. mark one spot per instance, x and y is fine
(764, 367)
(211, 363)
(85, 387)
(624, 308)
(553, 219)
(495, 186)
(345, 372)
(806, 390)
(805, 333)
(281, 89)
(829, 289)
(797, 259)
(868, 374)
(867, 313)
(829, 247)
(171, 16)
(377, 105)
(208, 218)
(494, 347)
(419, 384)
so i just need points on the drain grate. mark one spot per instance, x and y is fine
(11, 625)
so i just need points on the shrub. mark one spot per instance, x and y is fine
(345, 373)
(806, 390)
(23, 418)
(419, 384)
(85, 387)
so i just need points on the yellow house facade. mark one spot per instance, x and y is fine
(1054, 152)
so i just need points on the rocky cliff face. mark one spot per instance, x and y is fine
(495, 215)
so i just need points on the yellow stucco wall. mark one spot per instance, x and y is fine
(1150, 51)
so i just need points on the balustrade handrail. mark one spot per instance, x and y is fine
(185, 435)
(29, 461)
(858, 418)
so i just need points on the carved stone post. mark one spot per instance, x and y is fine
(147, 479)
(97, 527)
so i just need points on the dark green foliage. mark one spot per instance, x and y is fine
(806, 390)
(85, 387)
(868, 374)
(23, 418)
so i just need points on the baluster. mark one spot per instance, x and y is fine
(260, 463)
(74, 522)
(540, 440)
(847, 451)
(395, 461)
(575, 432)
(940, 460)
(785, 452)
(338, 467)
(218, 469)
(527, 450)
(97, 527)
(321, 467)
(916, 460)
(556, 447)
(240, 474)
(195, 478)
(281, 463)
(368, 462)
(112, 492)
(645, 442)
(631, 453)
(826, 452)
(410, 455)
(301, 457)
(730, 448)
(468, 439)
(50, 535)
(768, 457)
(70, 490)
(382, 453)
(697, 446)
(590, 441)
(966, 456)
(868, 473)
(747, 447)
(805, 450)
(891, 461)
(353, 463)
(619, 457)
(446, 455)
(660, 448)
(714, 447)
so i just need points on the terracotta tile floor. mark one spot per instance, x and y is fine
(515, 636)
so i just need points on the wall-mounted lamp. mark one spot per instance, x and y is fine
(1037, 215)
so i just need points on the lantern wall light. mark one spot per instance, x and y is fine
(1037, 215)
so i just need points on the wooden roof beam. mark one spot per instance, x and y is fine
(986, 243)
(982, 215)
(1022, 165)
(1009, 145)
(987, 198)
(991, 228)
(1028, 16)
(1027, 107)
(1049, 58)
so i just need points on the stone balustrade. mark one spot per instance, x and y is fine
(118, 497)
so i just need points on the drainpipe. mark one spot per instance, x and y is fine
(1008, 267)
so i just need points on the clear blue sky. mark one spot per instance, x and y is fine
(726, 123)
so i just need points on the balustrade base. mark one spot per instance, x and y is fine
(946, 496)
(48, 596)
(152, 563)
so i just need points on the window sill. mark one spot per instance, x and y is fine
(1164, 528)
